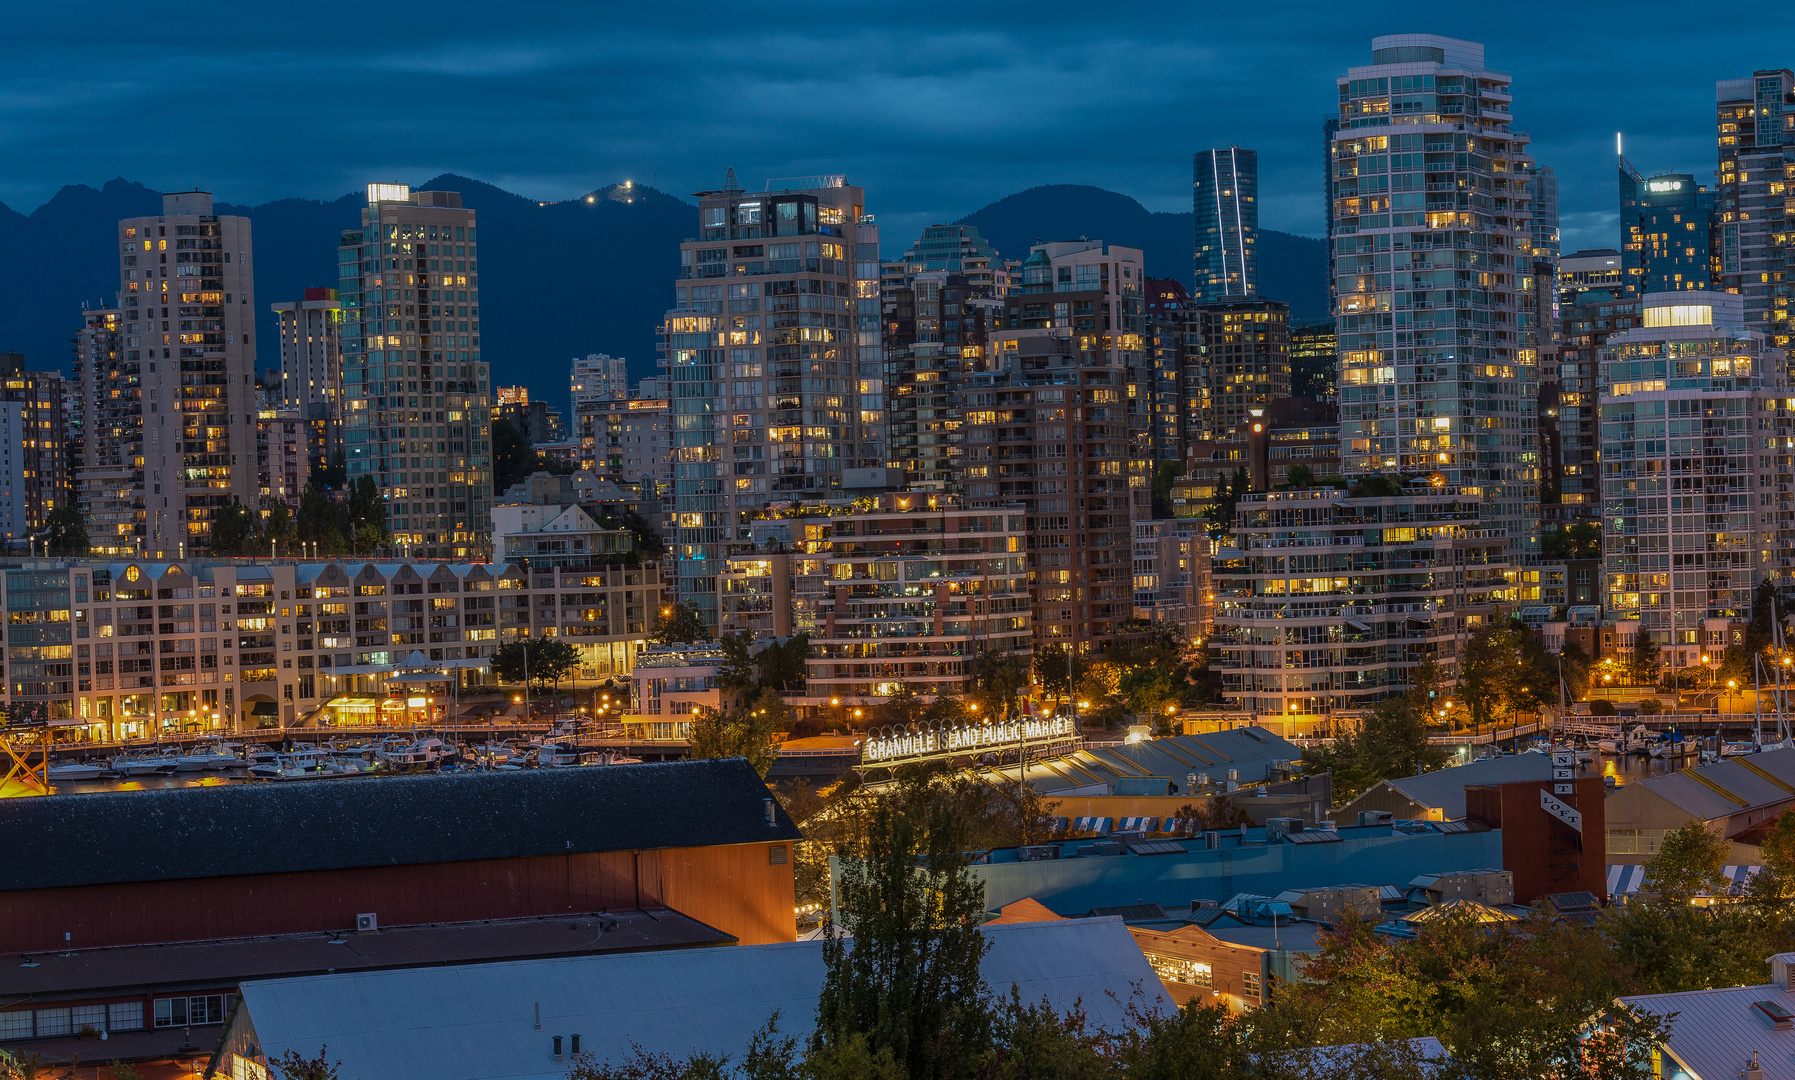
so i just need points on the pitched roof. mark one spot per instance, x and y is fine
(479, 1022)
(1728, 787)
(1248, 750)
(199, 832)
(1027, 909)
(1444, 789)
(1715, 1031)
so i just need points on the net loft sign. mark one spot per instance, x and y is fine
(914, 744)
(1566, 814)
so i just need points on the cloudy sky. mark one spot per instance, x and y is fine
(936, 110)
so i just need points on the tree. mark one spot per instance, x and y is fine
(1644, 663)
(67, 532)
(782, 663)
(233, 530)
(737, 672)
(680, 622)
(1391, 742)
(543, 660)
(1227, 496)
(1688, 864)
(294, 1066)
(745, 732)
(1164, 473)
(911, 984)
(1777, 877)
(367, 516)
(513, 458)
(277, 527)
(1051, 670)
(1001, 676)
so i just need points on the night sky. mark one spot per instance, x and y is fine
(935, 110)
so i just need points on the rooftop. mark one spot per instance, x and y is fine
(223, 963)
(233, 829)
(481, 1021)
(1444, 789)
(1727, 787)
(1716, 1032)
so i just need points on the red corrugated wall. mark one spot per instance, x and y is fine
(1527, 833)
(737, 889)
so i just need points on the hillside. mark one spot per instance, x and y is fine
(557, 280)
(1291, 268)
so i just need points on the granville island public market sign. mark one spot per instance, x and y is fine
(909, 744)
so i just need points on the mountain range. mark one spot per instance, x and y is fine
(559, 279)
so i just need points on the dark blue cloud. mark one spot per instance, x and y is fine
(935, 110)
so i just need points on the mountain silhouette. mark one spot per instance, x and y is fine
(557, 280)
(1291, 268)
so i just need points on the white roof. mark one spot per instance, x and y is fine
(1715, 1031)
(478, 1021)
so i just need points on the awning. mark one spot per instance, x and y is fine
(265, 708)
(351, 703)
(423, 678)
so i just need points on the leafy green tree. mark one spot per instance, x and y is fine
(1779, 856)
(67, 532)
(1051, 670)
(745, 732)
(737, 672)
(295, 1066)
(1645, 663)
(277, 526)
(1000, 676)
(1391, 742)
(543, 660)
(1299, 476)
(781, 663)
(1227, 496)
(1164, 473)
(911, 984)
(233, 530)
(366, 523)
(680, 622)
(1688, 864)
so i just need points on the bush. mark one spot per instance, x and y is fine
(1601, 707)
(1651, 706)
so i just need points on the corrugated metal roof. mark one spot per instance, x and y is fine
(1731, 786)
(1716, 1031)
(1250, 751)
(1444, 789)
(477, 1022)
(197, 832)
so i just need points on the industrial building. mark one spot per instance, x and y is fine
(148, 924)
(525, 1020)
(1440, 795)
(1076, 877)
(1730, 1031)
(1737, 798)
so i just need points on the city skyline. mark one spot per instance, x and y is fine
(524, 122)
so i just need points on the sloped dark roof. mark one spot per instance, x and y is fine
(234, 829)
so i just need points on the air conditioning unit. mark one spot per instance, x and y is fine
(366, 922)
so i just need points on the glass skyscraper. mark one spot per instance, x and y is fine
(1666, 223)
(416, 391)
(1431, 240)
(1756, 161)
(1225, 199)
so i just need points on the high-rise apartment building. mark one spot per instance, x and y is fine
(35, 472)
(1755, 119)
(1591, 268)
(1542, 224)
(598, 377)
(1243, 352)
(1177, 389)
(956, 249)
(1392, 582)
(1666, 228)
(1431, 241)
(773, 352)
(629, 441)
(1695, 430)
(1056, 419)
(176, 414)
(1588, 317)
(935, 327)
(1225, 199)
(418, 420)
(108, 474)
(283, 463)
(1314, 365)
(311, 368)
